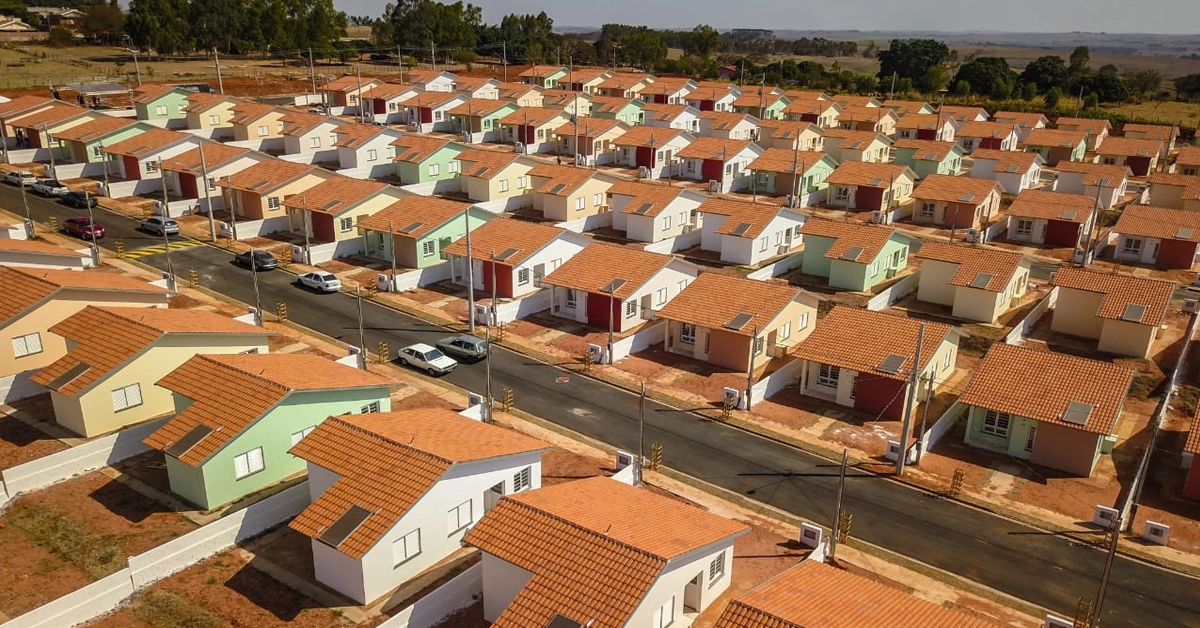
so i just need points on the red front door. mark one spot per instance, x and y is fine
(713, 170)
(133, 170)
(187, 186)
(645, 156)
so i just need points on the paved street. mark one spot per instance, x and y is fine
(1043, 568)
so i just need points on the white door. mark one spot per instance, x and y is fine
(492, 496)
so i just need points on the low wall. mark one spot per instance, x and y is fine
(653, 333)
(430, 188)
(997, 229)
(777, 381)
(369, 172)
(325, 251)
(628, 475)
(247, 229)
(510, 311)
(501, 205)
(19, 386)
(463, 590)
(269, 144)
(935, 432)
(777, 268)
(588, 223)
(414, 279)
(79, 171)
(680, 242)
(315, 157)
(1017, 335)
(118, 189)
(28, 155)
(894, 293)
(79, 606)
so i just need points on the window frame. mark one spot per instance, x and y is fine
(996, 423)
(454, 521)
(687, 333)
(716, 569)
(523, 480)
(24, 339)
(828, 375)
(298, 436)
(427, 248)
(404, 542)
(124, 391)
(262, 461)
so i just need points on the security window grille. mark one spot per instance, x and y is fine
(523, 277)
(405, 547)
(459, 517)
(29, 344)
(1024, 227)
(1133, 246)
(996, 423)
(1029, 439)
(369, 408)
(716, 569)
(571, 299)
(272, 202)
(523, 480)
(828, 375)
(630, 309)
(248, 463)
(127, 397)
(296, 436)
(687, 334)
(427, 248)
(842, 194)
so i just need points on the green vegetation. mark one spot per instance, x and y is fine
(97, 555)
(164, 609)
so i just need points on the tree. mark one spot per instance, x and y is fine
(1108, 69)
(1187, 87)
(704, 40)
(1143, 83)
(1052, 97)
(962, 88)
(103, 23)
(1091, 101)
(921, 60)
(1106, 87)
(1080, 58)
(1029, 91)
(1047, 72)
(159, 25)
(59, 37)
(988, 76)
(425, 23)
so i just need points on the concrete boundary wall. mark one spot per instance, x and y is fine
(463, 590)
(894, 293)
(1017, 335)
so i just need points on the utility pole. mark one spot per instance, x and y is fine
(50, 146)
(432, 56)
(105, 158)
(575, 113)
(796, 172)
(470, 273)
(166, 215)
(230, 207)
(212, 223)
(217, 63)
(504, 55)
(400, 62)
(493, 308)
(28, 217)
(362, 337)
(913, 382)
(136, 69)
(612, 302)
(892, 91)
(307, 242)
(1115, 530)
(925, 416)
(87, 201)
(487, 386)
(641, 434)
(1079, 101)
(762, 88)
(362, 108)
(750, 369)
(837, 511)
(312, 72)
(254, 277)
(392, 254)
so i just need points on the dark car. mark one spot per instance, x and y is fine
(263, 260)
(466, 347)
(83, 227)
(79, 199)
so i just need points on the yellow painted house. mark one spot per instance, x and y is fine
(488, 175)
(254, 121)
(211, 112)
(565, 193)
(106, 381)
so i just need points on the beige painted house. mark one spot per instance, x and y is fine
(106, 381)
(257, 192)
(790, 135)
(40, 299)
(211, 112)
(254, 121)
(1176, 191)
(735, 323)
(955, 202)
(565, 193)
(978, 284)
(488, 175)
(1123, 313)
(334, 208)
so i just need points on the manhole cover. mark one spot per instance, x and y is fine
(562, 379)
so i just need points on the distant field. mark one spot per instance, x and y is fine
(1185, 114)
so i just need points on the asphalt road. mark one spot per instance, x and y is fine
(1043, 568)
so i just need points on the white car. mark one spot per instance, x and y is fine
(427, 358)
(49, 187)
(325, 282)
(23, 179)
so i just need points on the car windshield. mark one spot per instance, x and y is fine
(434, 354)
(262, 255)
(326, 277)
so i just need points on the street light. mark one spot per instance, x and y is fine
(611, 289)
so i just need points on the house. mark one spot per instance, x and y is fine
(478, 88)
(1191, 450)
(84, 144)
(801, 94)
(386, 102)
(671, 117)
(713, 96)
(478, 120)
(160, 102)
(141, 156)
(852, 256)
(1097, 129)
(39, 299)
(1122, 312)
(925, 126)
(864, 360)
(1052, 409)
(531, 129)
(1156, 132)
(874, 119)
(652, 212)
(1056, 145)
(1178, 191)
(790, 135)
(814, 593)
(416, 230)
(1014, 171)
(510, 257)
(1050, 218)
(866, 186)
(850, 100)
(310, 133)
(823, 113)
(978, 284)
(736, 323)
(748, 234)
(39, 254)
(342, 95)
(1187, 162)
(375, 525)
(586, 80)
(1107, 183)
(254, 121)
(15, 25)
(964, 113)
(39, 129)
(723, 163)
(575, 104)
(433, 80)
(866, 146)
(597, 560)
(1157, 236)
(106, 380)
(185, 172)
(669, 90)
(993, 135)
(627, 110)
(332, 209)
(955, 202)
(257, 192)
(909, 107)
(1026, 122)
(792, 173)
(522, 94)
(595, 137)
(728, 125)
(366, 150)
(1141, 155)
(489, 175)
(424, 159)
(211, 114)
(927, 157)
(624, 84)
(428, 112)
(761, 104)
(17, 107)
(610, 286)
(654, 151)
(238, 415)
(546, 77)
(564, 193)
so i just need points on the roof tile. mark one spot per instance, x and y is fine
(414, 216)
(500, 234)
(974, 261)
(712, 300)
(869, 239)
(1120, 291)
(599, 264)
(861, 340)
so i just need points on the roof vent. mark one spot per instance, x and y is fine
(1105, 182)
(741, 229)
(558, 621)
(613, 286)
(1077, 413)
(68, 377)
(874, 182)
(1011, 168)
(1133, 313)
(852, 253)
(191, 439)
(341, 529)
(1068, 214)
(644, 209)
(506, 254)
(981, 281)
(892, 363)
(1183, 234)
(739, 321)
(330, 205)
(412, 227)
(967, 197)
(558, 188)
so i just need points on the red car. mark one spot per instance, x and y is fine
(83, 227)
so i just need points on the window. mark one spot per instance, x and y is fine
(842, 194)
(785, 332)
(522, 480)
(1029, 439)
(927, 209)
(716, 569)
(372, 154)
(214, 119)
(758, 345)
(452, 167)
(369, 408)
(1110, 161)
(97, 152)
(691, 166)
(438, 116)
(597, 199)
(314, 142)
(664, 615)
(521, 182)
(522, 276)
(459, 517)
(435, 170)
(803, 321)
(160, 110)
(262, 130)
(946, 361)
(660, 297)
(541, 134)
(296, 436)
(127, 397)
(1133, 246)
(666, 222)
(687, 334)
(571, 299)
(630, 309)
(406, 547)
(427, 248)
(151, 166)
(996, 423)
(828, 375)
(28, 344)
(345, 224)
(763, 243)
(728, 168)
(1191, 171)
(248, 463)
(874, 268)
(1024, 227)
(272, 202)
(580, 203)
(854, 387)
(682, 284)
(503, 185)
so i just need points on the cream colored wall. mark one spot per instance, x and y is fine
(1075, 313)
(250, 131)
(511, 172)
(295, 187)
(91, 413)
(1126, 338)
(902, 189)
(369, 207)
(977, 305)
(199, 121)
(934, 285)
(938, 367)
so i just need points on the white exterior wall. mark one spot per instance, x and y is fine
(676, 271)
(672, 221)
(1148, 253)
(359, 157)
(688, 120)
(502, 581)
(841, 394)
(674, 580)
(934, 285)
(744, 130)
(1037, 235)
(709, 239)
(781, 239)
(23, 259)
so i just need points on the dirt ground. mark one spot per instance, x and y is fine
(21, 442)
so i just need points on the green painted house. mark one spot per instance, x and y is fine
(416, 228)
(766, 107)
(85, 143)
(238, 415)
(161, 102)
(776, 172)
(853, 256)
(926, 157)
(545, 76)
(627, 110)
(478, 120)
(1056, 145)
(424, 159)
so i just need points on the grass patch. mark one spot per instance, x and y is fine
(163, 609)
(97, 555)
(975, 345)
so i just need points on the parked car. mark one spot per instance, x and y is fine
(325, 282)
(464, 347)
(49, 187)
(79, 199)
(83, 227)
(159, 225)
(23, 179)
(263, 260)
(427, 358)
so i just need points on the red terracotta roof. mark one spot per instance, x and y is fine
(215, 154)
(265, 176)
(1159, 222)
(713, 300)
(985, 129)
(926, 150)
(597, 266)
(1150, 296)
(642, 135)
(1009, 161)
(868, 239)
(147, 142)
(26, 287)
(1056, 138)
(862, 340)
(1130, 147)
(414, 215)
(994, 266)
(1109, 176)
(714, 148)
(745, 219)
(1049, 205)
(868, 174)
(500, 234)
(950, 189)
(335, 195)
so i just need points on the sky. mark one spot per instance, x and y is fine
(1141, 16)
